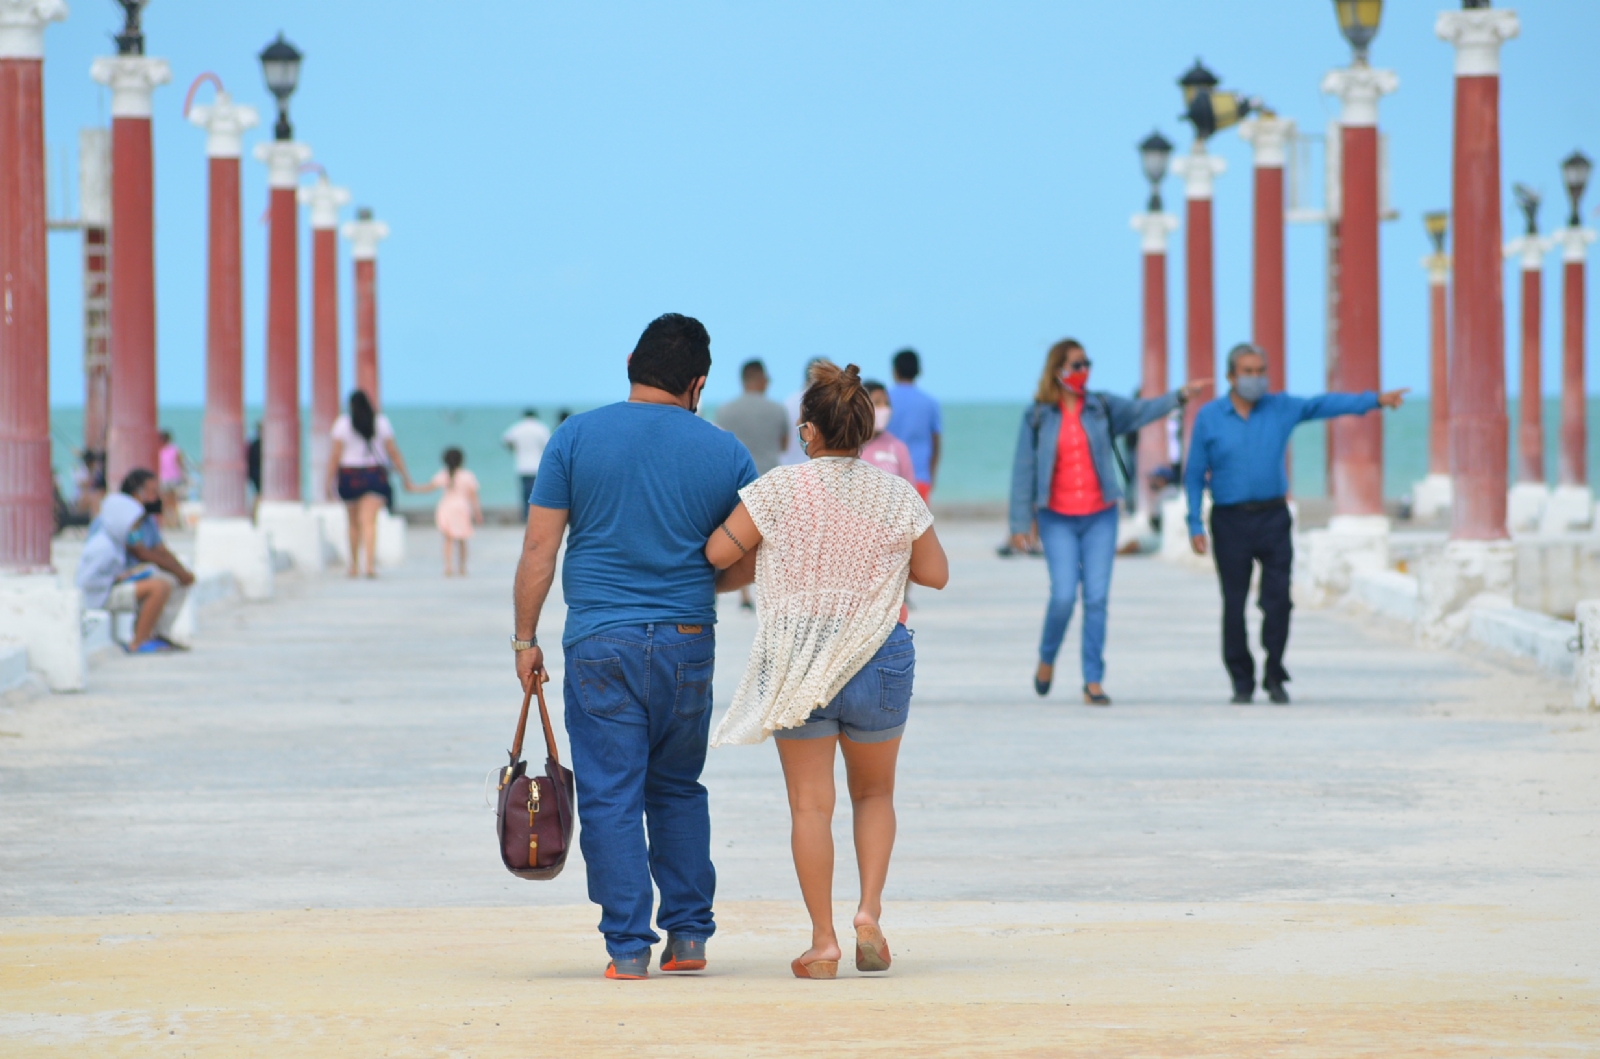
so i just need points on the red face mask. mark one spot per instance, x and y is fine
(1077, 381)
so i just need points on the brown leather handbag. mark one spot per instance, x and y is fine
(534, 816)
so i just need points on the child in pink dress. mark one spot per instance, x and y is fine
(458, 509)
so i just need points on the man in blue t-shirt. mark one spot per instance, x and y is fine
(637, 487)
(916, 420)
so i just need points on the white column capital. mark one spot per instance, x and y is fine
(1359, 87)
(1531, 248)
(1199, 171)
(1477, 36)
(133, 79)
(1153, 229)
(364, 237)
(284, 159)
(225, 123)
(1574, 242)
(325, 200)
(22, 25)
(1438, 266)
(1268, 135)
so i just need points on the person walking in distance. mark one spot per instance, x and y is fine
(1063, 489)
(1237, 450)
(173, 470)
(358, 469)
(916, 420)
(833, 542)
(760, 424)
(637, 487)
(792, 453)
(526, 438)
(885, 451)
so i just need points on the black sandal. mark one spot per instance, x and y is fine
(1099, 698)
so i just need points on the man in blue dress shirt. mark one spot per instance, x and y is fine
(1237, 448)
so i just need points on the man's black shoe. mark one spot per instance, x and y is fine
(1278, 695)
(1242, 698)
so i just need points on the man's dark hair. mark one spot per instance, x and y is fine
(907, 366)
(673, 352)
(530, 413)
(135, 480)
(752, 368)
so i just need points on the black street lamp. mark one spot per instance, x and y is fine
(1358, 21)
(1437, 224)
(280, 65)
(131, 40)
(1528, 203)
(1207, 109)
(1154, 154)
(1575, 174)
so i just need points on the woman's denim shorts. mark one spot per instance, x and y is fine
(872, 708)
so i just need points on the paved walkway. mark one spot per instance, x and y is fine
(277, 845)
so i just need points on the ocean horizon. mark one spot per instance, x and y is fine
(979, 441)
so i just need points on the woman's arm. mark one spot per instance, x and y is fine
(929, 566)
(335, 454)
(412, 487)
(1024, 475)
(398, 460)
(721, 550)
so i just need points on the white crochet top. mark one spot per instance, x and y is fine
(831, 574)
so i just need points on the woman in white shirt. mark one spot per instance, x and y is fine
(831, 544)
(358, 468)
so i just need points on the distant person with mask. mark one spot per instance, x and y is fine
(1064, 490)
(885, 451)
(917, 420)
(1237, 448)
(526, 438)
(126, 566)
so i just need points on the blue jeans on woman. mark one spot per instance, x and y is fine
(1079, 550)
(638, 712)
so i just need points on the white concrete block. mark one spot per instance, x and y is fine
(391, 540)
(1431, 497)
(47, 619)
(235, 547)
(97, 626)
(1544, 640)
(1351, 545)
(13, 665)
(1586, 661)
(293, 530)
(1388, 592)
(1525, 505)
(335, 533)
(1175, 545)
(1570, 507)
(1452, 578)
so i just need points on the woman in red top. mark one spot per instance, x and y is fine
(1063, 487)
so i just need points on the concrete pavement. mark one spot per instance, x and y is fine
(281, 838)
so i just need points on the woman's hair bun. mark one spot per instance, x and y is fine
(838, 405)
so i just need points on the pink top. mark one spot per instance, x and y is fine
(890, 455)
(1075, 486)
(170, 463)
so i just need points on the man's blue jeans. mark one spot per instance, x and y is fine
(1079, 550)
(638, 714)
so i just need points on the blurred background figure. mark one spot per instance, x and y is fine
(458, 509)
(916, 420)
(761, 425)
(358, 467)
(174, 472)
(791, 406)
(883, 450)
(526, 438)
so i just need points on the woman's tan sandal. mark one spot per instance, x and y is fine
(872, 951)
(818, 969)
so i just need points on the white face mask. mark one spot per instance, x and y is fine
(880, 419)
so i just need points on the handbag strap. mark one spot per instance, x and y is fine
(544, 719)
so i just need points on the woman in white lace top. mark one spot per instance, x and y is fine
(831, 544)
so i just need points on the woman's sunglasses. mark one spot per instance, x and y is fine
(1080, 365)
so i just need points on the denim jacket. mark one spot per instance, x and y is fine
(1104, 416)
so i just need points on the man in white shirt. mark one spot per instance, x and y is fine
(526, 438)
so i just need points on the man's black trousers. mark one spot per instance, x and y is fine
(1241, 536)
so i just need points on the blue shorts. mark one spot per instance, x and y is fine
(872, 708)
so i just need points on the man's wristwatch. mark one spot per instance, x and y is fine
(523, 645)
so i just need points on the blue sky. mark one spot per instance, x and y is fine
(827, 178)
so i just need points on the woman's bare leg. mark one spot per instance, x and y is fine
(869, 768)
(808, 773)
(461, 557)
(371, 504)
(446, 555)
(352, 518)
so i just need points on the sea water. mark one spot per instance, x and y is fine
(978, 446)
